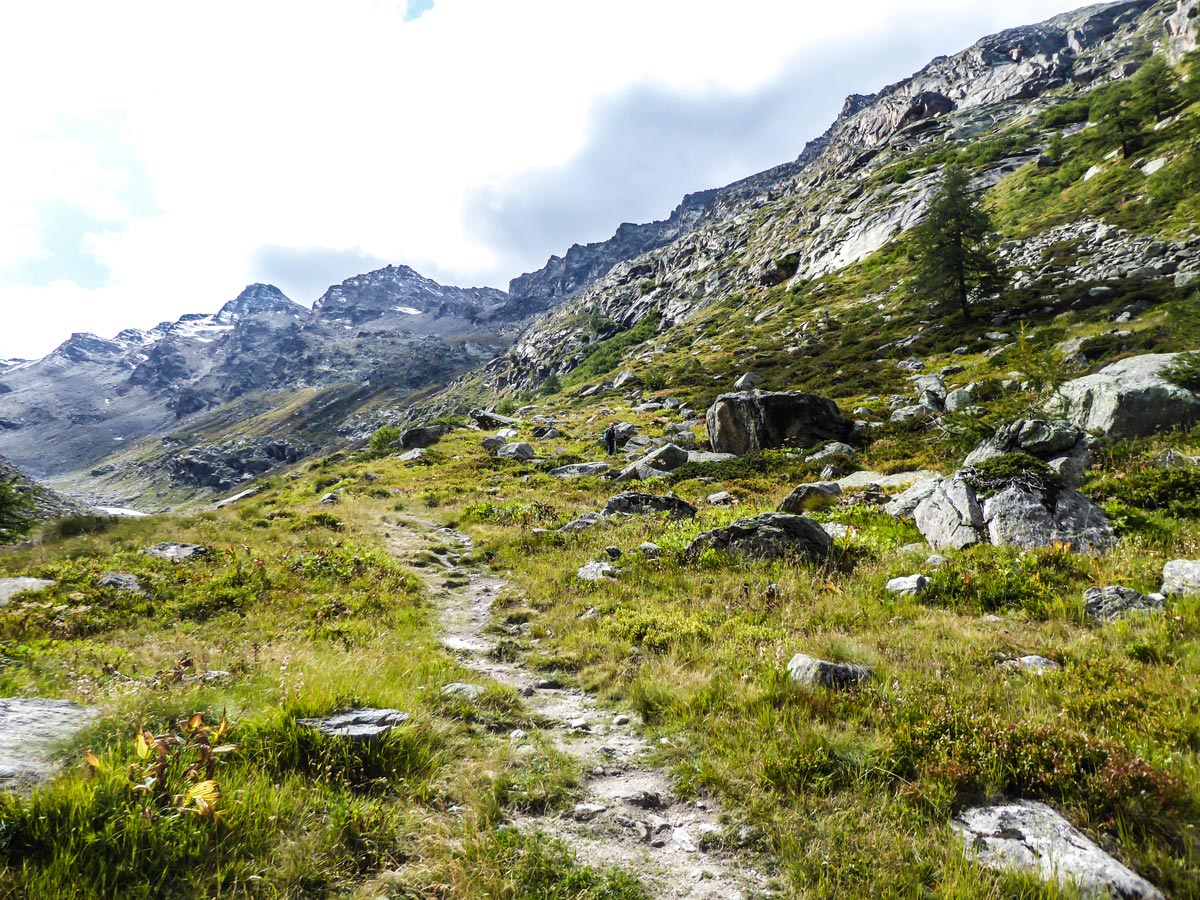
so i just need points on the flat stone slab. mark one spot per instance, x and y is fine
(177, 552)
(580, 470)
(1031, 837)
(10, 587)
(122, 581)
(30, 729)
(900, 479)
(358, 724)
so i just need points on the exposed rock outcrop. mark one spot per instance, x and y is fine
(1128, 398)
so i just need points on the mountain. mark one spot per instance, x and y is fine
(389, 330)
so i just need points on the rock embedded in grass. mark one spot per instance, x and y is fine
(1182, 576)
(122, 582)
(821, 673)
(1026, 836)
(518, 450)
(179, 552)
(1033, 664)
(358, 724)
(596, 571)
(10, 587)
(766, 537)
(810, 496)
(30, 729)
(634, 503)
(580, 470)
(1110, 603)
(908, 586)
(463, 689)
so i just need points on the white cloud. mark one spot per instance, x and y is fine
(353, 128)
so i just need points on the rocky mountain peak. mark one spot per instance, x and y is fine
(401, 291)
(83, 346)
(257, 299)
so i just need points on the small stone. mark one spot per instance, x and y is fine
(579, 724)
(720, 498)
(620, 720)
(357, 724)
(822, 673)
(1033, 664)
(612, 552)
(585, 812)
(1182, 576)
(936, 561)
(178, 552)
(650, 550)
(908, 586)
(462, 689)
(596, 571)
(516, 735)
(1110, 603)
(122, 582)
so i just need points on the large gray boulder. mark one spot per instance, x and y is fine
(904, 505)
(769, 536)
(422, 436)
(637, 504)
(747, 421)
(485, 418)
(1023, 517)
(1110, 603)
(1128, 398)
(950, 516)
(1031, 837)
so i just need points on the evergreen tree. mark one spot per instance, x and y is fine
(954, 256)
(16, 513)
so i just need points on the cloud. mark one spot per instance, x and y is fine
(414, 9)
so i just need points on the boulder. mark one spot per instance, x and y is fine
(546, 433)
(950, 516)
(520, 451)
(176, 552)
(414, 456)
(625, 378)
(1110, 603)
(580, 470)
(422, 436)
(909, 414)
(1182, 576)
(493, 442)
(814, 495)
(822, 673)
(1128, 398)
(769, 536)
(10, 587)
(1025, 836)
(583, 523)
(748, 382)
(357, 724)
(747, 421)
(635, 504)
(1025, 517)
(720, 498)
(959, 398)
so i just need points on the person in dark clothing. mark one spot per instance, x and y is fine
(610, 438)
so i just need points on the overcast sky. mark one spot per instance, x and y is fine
(160, 156)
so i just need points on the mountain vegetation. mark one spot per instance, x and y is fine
(885, 593)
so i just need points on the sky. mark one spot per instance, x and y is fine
(160, 156)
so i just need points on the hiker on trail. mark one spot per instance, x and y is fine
(610, 438)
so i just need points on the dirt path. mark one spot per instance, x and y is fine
(629, 815)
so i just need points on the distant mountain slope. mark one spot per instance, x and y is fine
(391, 328)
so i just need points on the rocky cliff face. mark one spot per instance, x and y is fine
(825, 210)
(391, 329)
(47, 504)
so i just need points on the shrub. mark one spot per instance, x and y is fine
(1184, 371)
(74, 526)
(384, 438)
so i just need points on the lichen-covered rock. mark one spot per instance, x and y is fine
(635, 504)
(822, 673)
(518, 450)
(1031, 837)
(176, 552)
(122, 581)
(1022, 517)
(1109, 603)
(950, 517)
(908, 585)
(747, 421)
(1128, 398)
(358, 724)
(904, 505)
(1181, 576)
(770, 536)
(29, 730)
(1066, 447)
(580, 470)
(655, 464)
(596, 571)
(422, 436)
